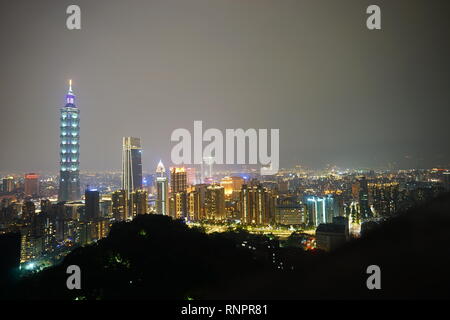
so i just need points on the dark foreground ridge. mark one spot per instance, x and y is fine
(153, 257)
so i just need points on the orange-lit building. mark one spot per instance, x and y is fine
(31, 184)
(231, 185)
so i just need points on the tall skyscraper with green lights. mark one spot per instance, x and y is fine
(69, 176)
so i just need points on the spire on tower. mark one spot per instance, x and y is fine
(160, 168)
(70, 96)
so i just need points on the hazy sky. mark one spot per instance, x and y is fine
(339, 93)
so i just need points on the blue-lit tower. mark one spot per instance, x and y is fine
(69, 177)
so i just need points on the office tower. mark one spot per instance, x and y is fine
(215, 203)
(290, 211)
(384, 198)
(333, 207)
(160, 169)
(364, 206)
(316, 211)
(120, 205)
(57, 214)
(194, 205)
(69, 180)
(138, 205)
(106, 207)
(162, 190)
(31, 184)
(178, 196)
(323, 209)
(196, 202)
(45, 205)
(256, 205)
(232, 185)
(8, 184)
(178, 180)
(131, 164)
(28, 210)
(92, 204)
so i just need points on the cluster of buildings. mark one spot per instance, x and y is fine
(333, 203)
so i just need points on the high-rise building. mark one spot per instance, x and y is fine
(215, 203)
(131, 164)
(178, 180)
(162, 190)
(28, 210)
(69, 177)
(138, 205)
(196, 202)
(232, 185)
(8, 184)
(290, 211)
(178, 195)
(364, 199)
(384, 197)
(92, 201)
(120, 205)
(256, 205)
(323, 209)
(31, 184)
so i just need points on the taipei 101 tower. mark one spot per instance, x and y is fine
(69, 150)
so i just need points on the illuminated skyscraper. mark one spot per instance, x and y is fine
(138, 205)
(178, 180)
(162, 190)
(364, 199)
(31, 184)
(8, 184)
(131, 165)
(92, 201)
(120, 205)
(215, 202)
(256, 205)
(178, 188)
(69, 177)
(232, 185)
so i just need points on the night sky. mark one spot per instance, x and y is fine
(339, 93)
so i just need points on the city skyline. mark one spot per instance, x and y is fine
(206, 152)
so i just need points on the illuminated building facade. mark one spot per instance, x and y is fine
(92, 200)
(8, 184)
(232, 185)
(256, 205)
(120, 205)
(196, 202)
(178, 180)
(139, 199)
(31, 184)
(162, 190)
(178, 195)
(69, 177)
(131, 164)
(215, 203)
(364, 206)
(323, 209)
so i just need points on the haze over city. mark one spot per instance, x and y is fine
(339, 94)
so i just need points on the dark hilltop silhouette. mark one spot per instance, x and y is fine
(154, 257)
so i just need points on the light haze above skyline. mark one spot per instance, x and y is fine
(339, 93)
